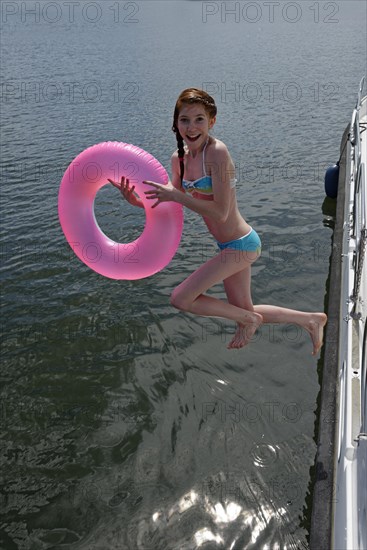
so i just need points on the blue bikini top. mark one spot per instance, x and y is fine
(204, 184)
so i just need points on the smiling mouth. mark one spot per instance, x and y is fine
(193, 138)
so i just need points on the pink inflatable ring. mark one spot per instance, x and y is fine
(86, 174)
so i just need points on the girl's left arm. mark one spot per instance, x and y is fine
(216, 209)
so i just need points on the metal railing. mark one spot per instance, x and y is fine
(358, 180)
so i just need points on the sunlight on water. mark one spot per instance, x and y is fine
(221, 514)
(204, 535)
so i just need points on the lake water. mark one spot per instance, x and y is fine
(125, 423)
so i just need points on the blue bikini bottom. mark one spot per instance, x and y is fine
(250, 242)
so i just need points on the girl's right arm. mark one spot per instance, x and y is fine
(132, 198)
(127, 192)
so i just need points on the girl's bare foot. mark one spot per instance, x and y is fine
(315, 328)
(245, 332)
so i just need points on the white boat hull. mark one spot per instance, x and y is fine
(349, 525)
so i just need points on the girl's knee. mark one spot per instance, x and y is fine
(178, 300)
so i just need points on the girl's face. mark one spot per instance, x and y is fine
(194, 124)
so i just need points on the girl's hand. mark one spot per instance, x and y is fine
(163, 193)
(127, 192)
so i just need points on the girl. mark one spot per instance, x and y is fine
(203, 180)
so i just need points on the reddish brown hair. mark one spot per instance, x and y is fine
(190, 96)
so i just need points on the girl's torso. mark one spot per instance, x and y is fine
(198, 182)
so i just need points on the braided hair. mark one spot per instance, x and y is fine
(189, 97)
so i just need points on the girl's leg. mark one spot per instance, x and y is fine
(237, 289)
(189, 295)
(313, 322)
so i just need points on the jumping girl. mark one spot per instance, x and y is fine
(203, 181)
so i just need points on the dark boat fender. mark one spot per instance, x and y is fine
(331, 181)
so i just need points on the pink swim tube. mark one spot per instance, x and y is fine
(86, 174)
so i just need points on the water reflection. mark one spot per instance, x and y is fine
(228, 524)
